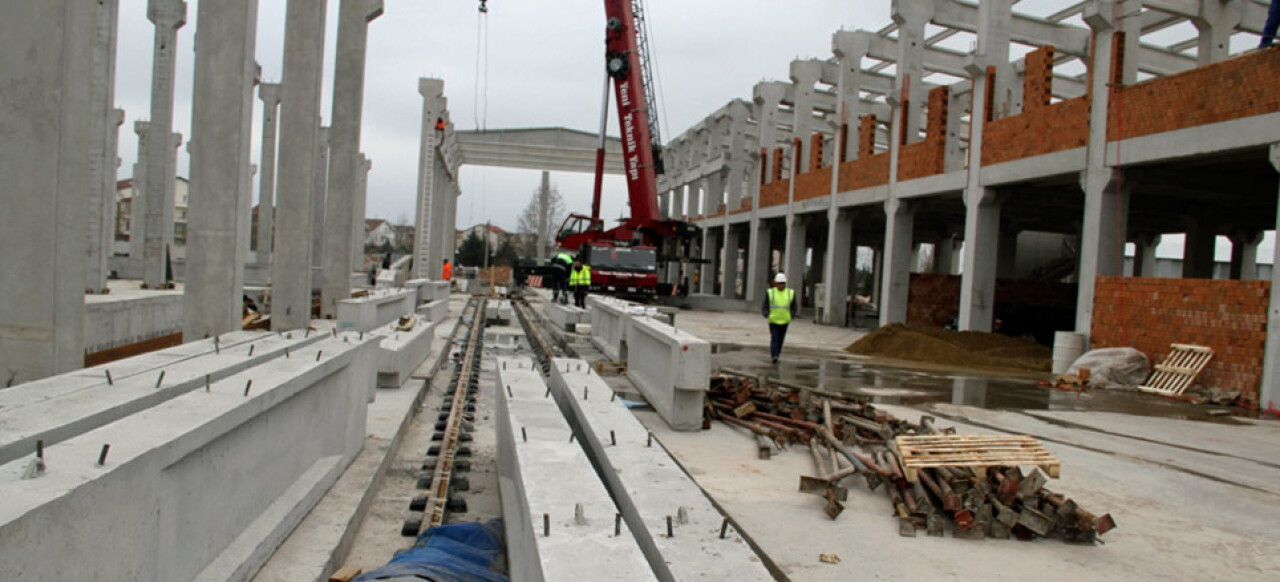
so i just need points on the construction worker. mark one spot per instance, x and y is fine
(779, 307)
(560, 277)
(580, 282)
(446, 272)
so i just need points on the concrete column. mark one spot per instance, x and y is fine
(664, 204)
(677, 201)
(794, 252)
(167, 16)
(714, 193)
(729, 281)
(1105, 205)
(896, 283)
(878, 278)
(707, 270)
(759, 249)
(735, 182)
(318, 198)
(363, 165)
(803, 76)
(1216, 22)
(544, 202)
(1269, 394)
(269, 93)
(299, 142)
(1007, 254)
(995, 21)
(101, 194)
(767, 97)
(911, 17)
(839, 253)
(695, 193)
(138, 204)
(1244, 255)
(849, 48)
(46, 71)
(981, 252)
(426, 254)
(354, 17)
(1198, 251)
(1145, 255)
(221, 130)
(944, 256)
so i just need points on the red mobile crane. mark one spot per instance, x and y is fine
(625, 258)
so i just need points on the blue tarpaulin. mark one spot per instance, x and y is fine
(458, 552)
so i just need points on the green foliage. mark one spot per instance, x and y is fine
(506, 254)
(471, 251)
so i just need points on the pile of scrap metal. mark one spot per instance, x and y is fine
(848, 436)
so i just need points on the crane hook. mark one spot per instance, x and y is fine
(484, 8)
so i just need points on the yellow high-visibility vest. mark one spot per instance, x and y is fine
(780, 305)
(580, 277)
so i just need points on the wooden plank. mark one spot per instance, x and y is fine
(345, 574)
(977, 451)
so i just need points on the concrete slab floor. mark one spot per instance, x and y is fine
(1168, 519)
(749, 328)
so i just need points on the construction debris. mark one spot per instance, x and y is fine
(985, 494)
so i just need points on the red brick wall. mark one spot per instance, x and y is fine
(935, 299)
(1037, 80)
(1239, 87)
(815, 151)
(815, 184)
(774, 193)
(866, 135)
(1228, 316)
(777, 164)
(1052, 128)
(927, 157)
(864, 172)
(1041, 128)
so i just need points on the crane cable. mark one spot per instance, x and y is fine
(480, 97)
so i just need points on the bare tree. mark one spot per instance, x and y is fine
(527, 225)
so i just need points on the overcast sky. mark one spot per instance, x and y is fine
(544, 69)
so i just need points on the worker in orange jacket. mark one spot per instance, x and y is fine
(446, 272)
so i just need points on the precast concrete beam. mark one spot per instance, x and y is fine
(345, 168)
(46, 67)
(299, 142)
(648, 486)
(671, 368)
(376, 309)
(292, 424)
(222, 127)
(557, 514)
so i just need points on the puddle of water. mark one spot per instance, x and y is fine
(885, 384)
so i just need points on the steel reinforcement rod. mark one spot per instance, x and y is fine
(537, 339)
(467, 372)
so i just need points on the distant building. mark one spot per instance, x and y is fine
(495, 234)
(125, 193)
(378, 232)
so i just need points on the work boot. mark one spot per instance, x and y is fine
(775, 361)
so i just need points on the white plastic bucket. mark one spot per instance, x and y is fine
(1067, 347)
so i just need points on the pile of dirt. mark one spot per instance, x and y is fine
(954, 348)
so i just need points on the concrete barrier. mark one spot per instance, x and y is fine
(60, 407)
(378, 308)
(672, 369)
(118, 320)
(648, 485)
(201, 487)
(401, 352)
(542, 472)
(435, 311)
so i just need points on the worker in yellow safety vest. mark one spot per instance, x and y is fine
(580, 282)
(779, 307)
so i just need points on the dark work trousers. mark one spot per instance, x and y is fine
(777, 334)
(580, 296)
(1273, 22)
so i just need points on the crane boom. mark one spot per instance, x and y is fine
(626, 65)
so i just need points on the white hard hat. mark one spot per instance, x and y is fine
(780, 278)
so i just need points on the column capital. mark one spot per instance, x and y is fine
(117, 117)
(1274, 156)
(912, 12)
(170, 14)
(270, 93)
(433, 88)
(851, 44)
(806, 72)
(1099, 15)
(370, 10)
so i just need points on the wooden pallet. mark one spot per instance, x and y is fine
(1179, 369)
(611, 368)
(975, 451)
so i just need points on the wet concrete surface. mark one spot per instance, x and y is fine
(914, 384)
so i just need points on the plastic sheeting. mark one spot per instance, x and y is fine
(1113, 367)
(459, 552)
